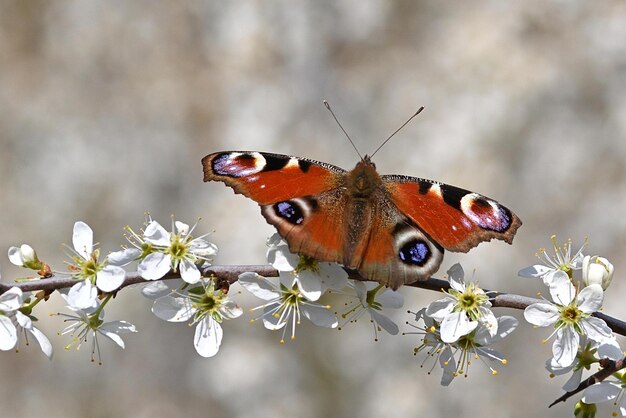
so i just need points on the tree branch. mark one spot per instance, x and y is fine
(231, 274)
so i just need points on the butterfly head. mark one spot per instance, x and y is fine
(363, 180)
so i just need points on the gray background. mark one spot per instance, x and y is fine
(107, 107)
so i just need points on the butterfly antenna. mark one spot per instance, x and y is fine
(344, 131)
(398, 130)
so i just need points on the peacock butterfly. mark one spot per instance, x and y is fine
(392, 229)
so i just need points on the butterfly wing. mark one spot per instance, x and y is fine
(456, 219)
(302, 198)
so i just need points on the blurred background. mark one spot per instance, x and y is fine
(106, 109)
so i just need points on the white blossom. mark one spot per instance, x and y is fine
(462, 309)
(562, 261)
(85, 323)
(91, 272)
(372, 298)
(570, 316)
(161, 251)
(285, 304)
(205, 306)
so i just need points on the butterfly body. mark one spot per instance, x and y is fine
(392, 229)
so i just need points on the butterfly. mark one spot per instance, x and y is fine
(392, 229)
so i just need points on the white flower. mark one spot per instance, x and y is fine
(597, 270)
(161, 251)
(570, 316)
(285, 304)
(455, 358)
(463, 308)
(312, 277)
(562, 261)
(205, 307)
(90, 322)
(608, 390)
(87, 268)
(371, 298)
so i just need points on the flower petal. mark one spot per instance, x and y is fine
(565, 346)
(110, 278)
(155, 234)
(208, 337)
(319, 315)
(561, 289)
(456, 274)
(189, 272)
(112, 330)
(489, 320)
(259, 286)
(455, 325)
(601, 392)
(15, 256)
(309, 284)
(230, 310)
(574, 380)
(332, 276)
(439, 309)
(82, 239)
(281, 258)
(596, 329)
(181, 228)
(541, 314)
(8, 333)
(155, 290)
(155, 266)
(610, 349)
(11, 300)
(383, 321)
(390, 299)
(123, 257)
(534, 271)
(44, 342)
(590, 299)
(173, 309)
(272, 322)
(82, 295)
(448, 364)
(202, 248)
(23, 321)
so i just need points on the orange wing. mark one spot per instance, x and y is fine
(455, 218)
(302, 198)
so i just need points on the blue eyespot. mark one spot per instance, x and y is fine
(415, 252)
(290, 212)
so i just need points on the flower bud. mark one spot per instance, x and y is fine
(25, 256)
(584, 410)
(597, 270)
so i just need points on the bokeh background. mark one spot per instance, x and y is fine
(107, 107)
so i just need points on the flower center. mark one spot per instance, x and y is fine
(467, 300)
(571, 314)
(178, 249)
(307, 263)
